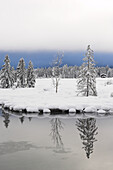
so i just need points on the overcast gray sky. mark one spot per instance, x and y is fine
(56, 24)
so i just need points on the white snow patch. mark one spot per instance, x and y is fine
(32, 109)
(34, 99)
(106, 108)
(101, 111)
(90, 109)
(72, 110)
(45, 110)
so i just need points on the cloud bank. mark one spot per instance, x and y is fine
(51, 25)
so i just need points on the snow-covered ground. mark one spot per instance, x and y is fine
(43, 97)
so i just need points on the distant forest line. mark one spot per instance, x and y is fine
(72, 72)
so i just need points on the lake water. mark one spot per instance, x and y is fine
(31, 142)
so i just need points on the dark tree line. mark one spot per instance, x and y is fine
(21, 77)
(65, 72)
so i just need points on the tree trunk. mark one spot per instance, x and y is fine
(88, 80)
(87, 86)
(56, 85)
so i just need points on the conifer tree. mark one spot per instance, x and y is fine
(7, 76)
(87, 77)
(21, 73)
(30, 75)
(87, 128)
(14, 73)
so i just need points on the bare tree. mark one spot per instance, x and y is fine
(56, 69)
(56, 126)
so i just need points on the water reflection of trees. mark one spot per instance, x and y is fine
(56, 127)
(22, 119)
(88, 131)
(6, 114)
(30, 118)
(6, 118)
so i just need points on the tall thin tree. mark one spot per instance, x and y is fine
(87, 77)
(30, 75)
(56, 69)
(21, 73)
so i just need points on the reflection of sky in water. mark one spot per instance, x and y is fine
(32, 144)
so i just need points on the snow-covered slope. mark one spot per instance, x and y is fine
(43, 97)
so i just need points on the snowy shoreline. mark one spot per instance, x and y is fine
(43, 99)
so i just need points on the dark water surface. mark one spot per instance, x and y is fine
(31, 142)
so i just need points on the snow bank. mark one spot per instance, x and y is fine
(90, 109)
(37, 99)
(101, 111)
(46, 110)
(72, 110)
(32, 109)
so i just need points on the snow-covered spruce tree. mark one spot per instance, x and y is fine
(88, 130)
(21, 74)
(86, 83)
(14, 73)
(30, 75)
(7, 76)
(56, 69)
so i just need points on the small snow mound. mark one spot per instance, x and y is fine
(101, 111)
(32, 109)
(17, 108)
(7, 104)
(90, 110)
(106, 108)
(46, 110)
(72, 110)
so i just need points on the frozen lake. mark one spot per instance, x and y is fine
(30, 142)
